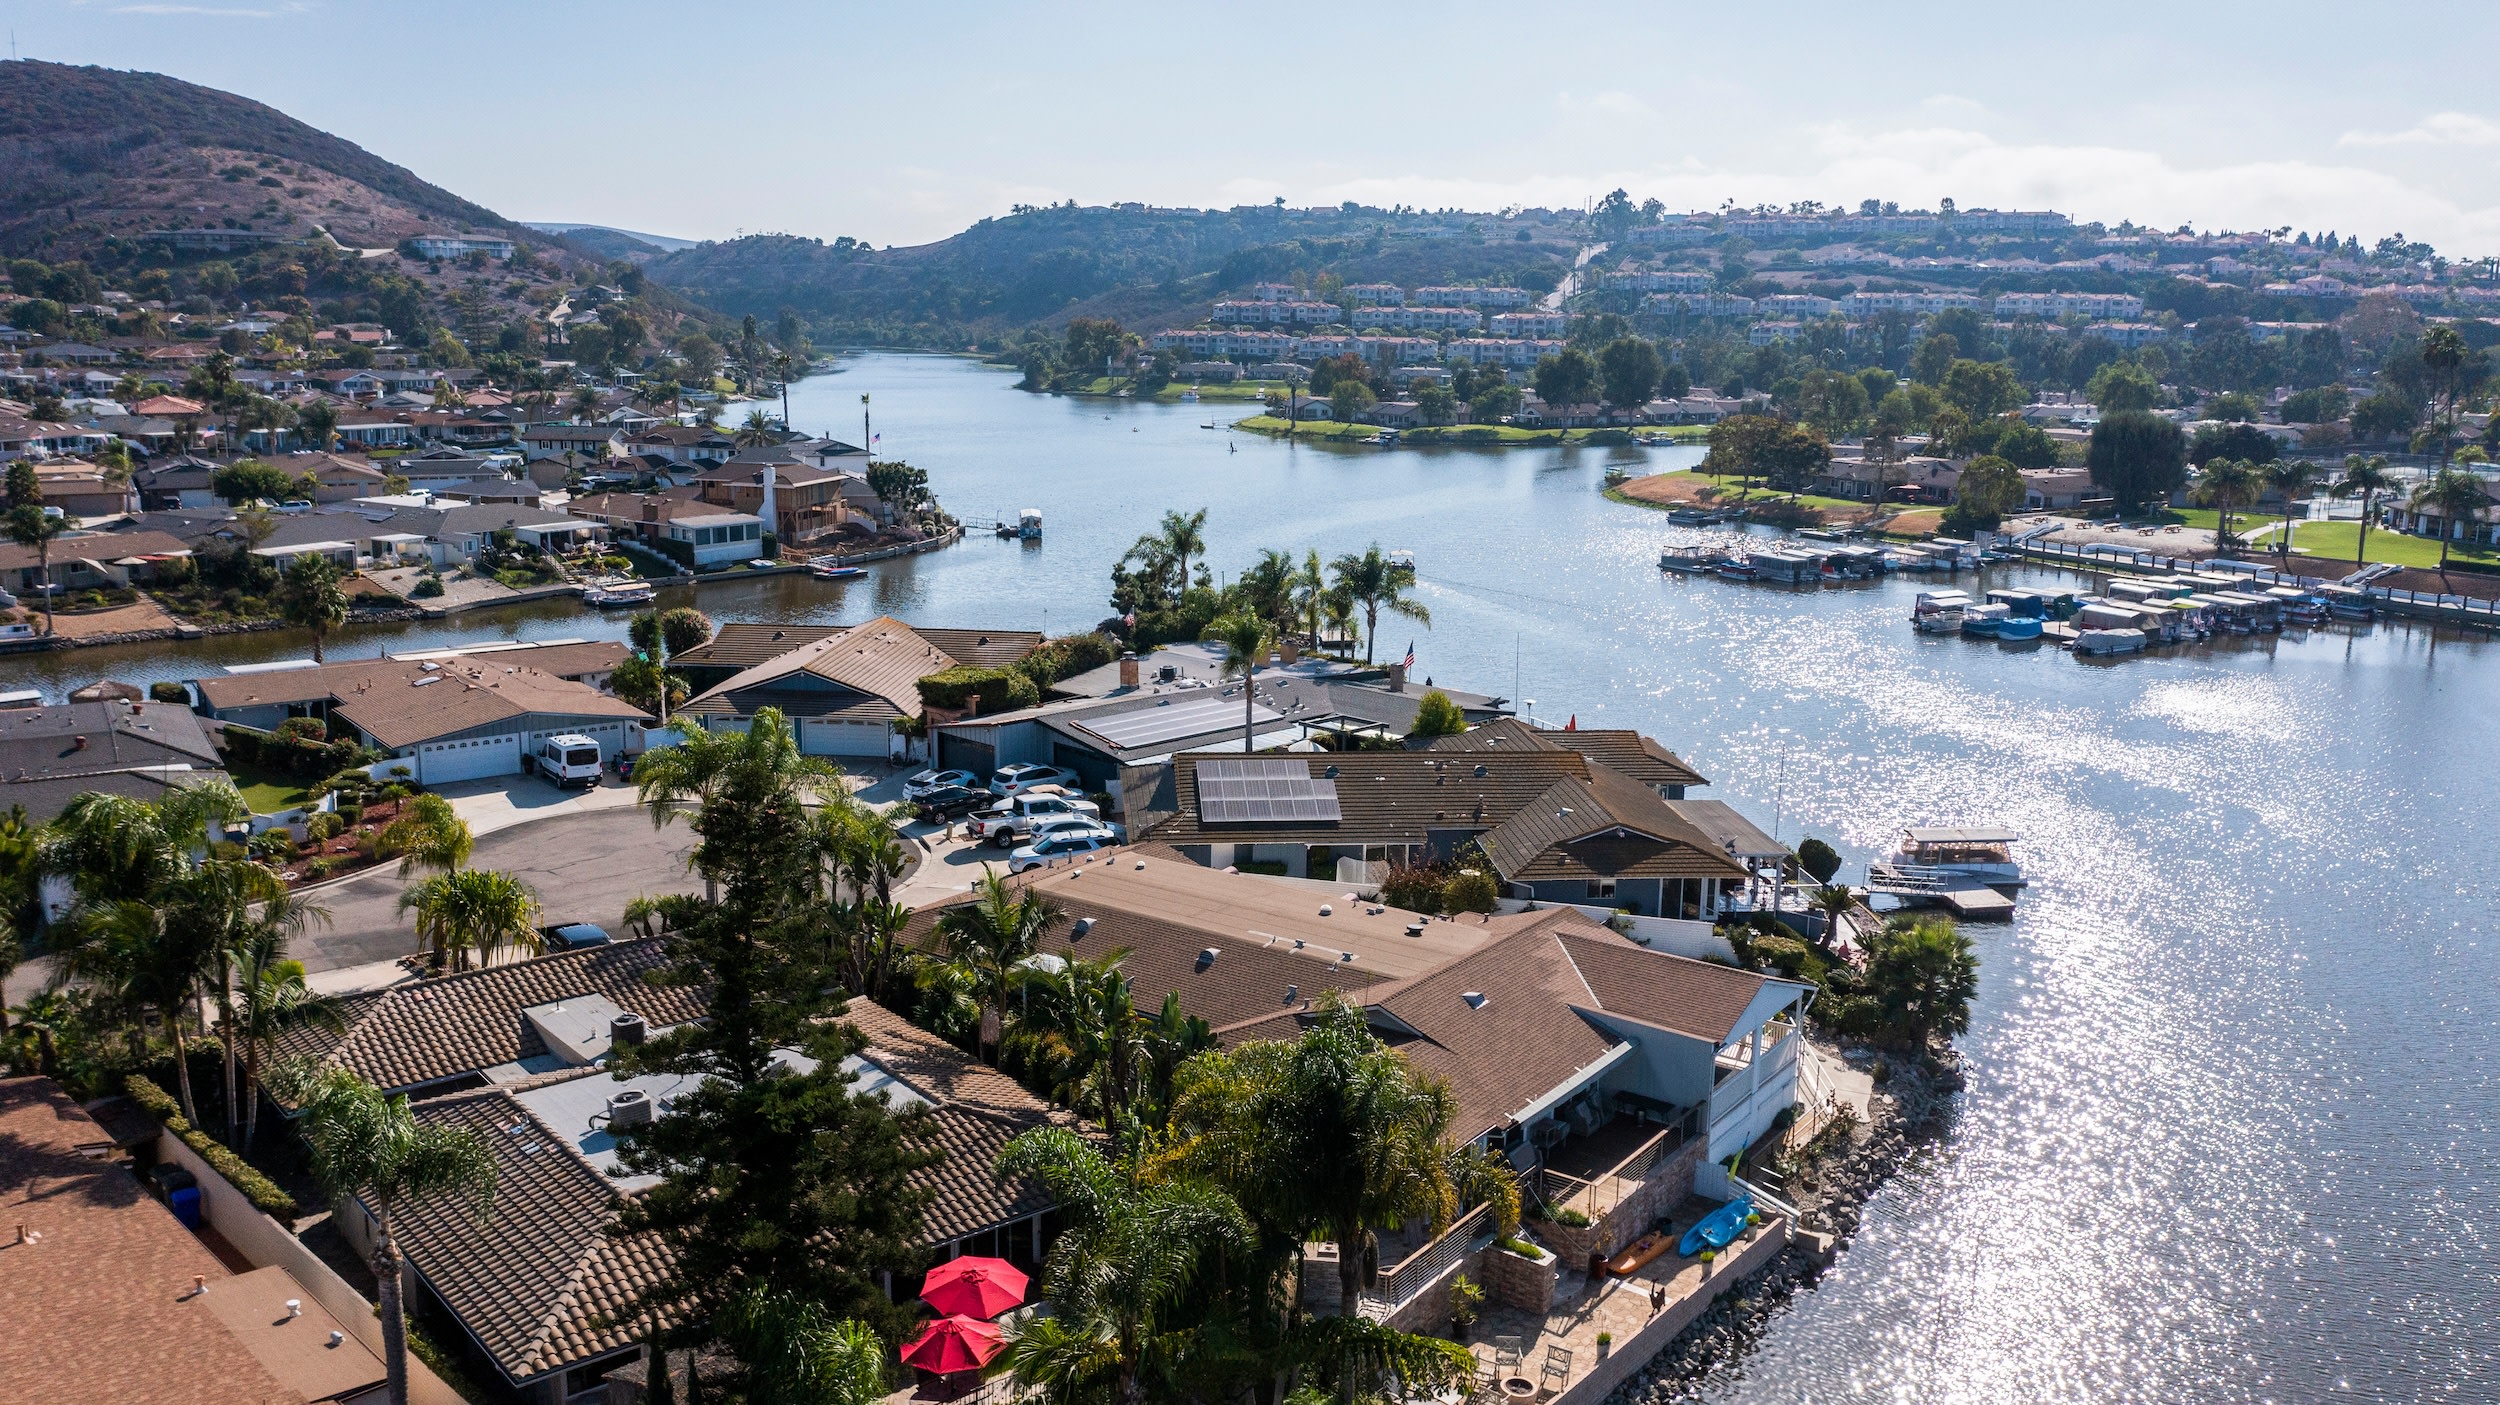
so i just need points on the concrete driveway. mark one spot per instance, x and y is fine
(586, 865)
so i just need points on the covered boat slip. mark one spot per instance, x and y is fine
(1961, 867)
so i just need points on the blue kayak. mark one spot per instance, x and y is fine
(1719, 1229)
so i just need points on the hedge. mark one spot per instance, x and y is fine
(1000, 689)
(257, 1188)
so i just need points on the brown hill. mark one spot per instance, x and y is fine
(90, 153)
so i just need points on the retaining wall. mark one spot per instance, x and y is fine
(1628, 1357)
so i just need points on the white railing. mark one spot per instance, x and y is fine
(1399, 1283)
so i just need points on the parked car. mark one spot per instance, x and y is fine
(1009, 821)
(568, 760)
(1044, 850)
(573, 936)
(1076, 824)
(1016, 779)
(951, 803)
(920, 785)
(292, 506)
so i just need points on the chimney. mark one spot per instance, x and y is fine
(1397, 678)
(1128, 670)
(650, 508)
(972, 704)
(771, 523)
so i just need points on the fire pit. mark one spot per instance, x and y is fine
(1519, 1388)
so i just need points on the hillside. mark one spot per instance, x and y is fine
(87, 153)
(1142, 266)
(610, 242)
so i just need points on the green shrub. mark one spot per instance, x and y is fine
(1471, 890)
(1522, 1247)
(1414, 887)
(169, 693)
(1000, 689)
(351, 813)
(1787, 955)
(323, 828)
(427, 589)
(1819, 859)
(320, 868)
(255, 1187)
(1570, 1218)
(302, 729)
(1271, 867)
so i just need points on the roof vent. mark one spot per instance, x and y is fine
(1327, 911)
(1292, 993)
(1083, 925)
(1345, 956)
(1474, 999)
(1483, 770)
(1206, 957)
(631, 1108)
(1415, 929)
(1330, 772)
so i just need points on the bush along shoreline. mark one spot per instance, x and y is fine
(1913, 1107)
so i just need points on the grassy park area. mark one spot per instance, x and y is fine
(2336, 541)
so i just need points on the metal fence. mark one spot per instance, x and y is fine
(1400, 1282)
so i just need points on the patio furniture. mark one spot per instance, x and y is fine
(1508, 1351)
(1557, 1372)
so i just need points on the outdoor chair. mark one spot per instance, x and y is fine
(1508, 1352)
(1557, 1372)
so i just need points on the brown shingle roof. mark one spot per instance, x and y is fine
(1606, 825)
(883, 659)
(745, 643)
(1387, 796)
(408, 1036)
(1623, 750)
(400, 702)
(541, 1280)
(100, 1308)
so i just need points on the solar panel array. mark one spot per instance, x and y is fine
(1252, 790)
(1176, 719)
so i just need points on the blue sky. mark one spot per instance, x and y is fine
(903, 124)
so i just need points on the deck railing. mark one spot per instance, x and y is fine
(1600, 1194)
(1400, 1282)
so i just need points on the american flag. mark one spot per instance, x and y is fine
(1410, 653)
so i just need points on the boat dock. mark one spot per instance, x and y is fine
(1963, 893)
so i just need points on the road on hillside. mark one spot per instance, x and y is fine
(1553, 301)
(585, 868)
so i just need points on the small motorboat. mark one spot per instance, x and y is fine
(1687, 560)
(836, 571)
(1719, 1228)
(1736, 570)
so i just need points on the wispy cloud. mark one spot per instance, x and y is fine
(2438, 129)
(223, 12)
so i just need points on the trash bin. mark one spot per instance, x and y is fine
(182, 1193)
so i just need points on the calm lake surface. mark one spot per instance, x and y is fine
(2229, 1130)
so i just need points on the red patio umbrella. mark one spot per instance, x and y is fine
(953, 1344)
(973, 1287)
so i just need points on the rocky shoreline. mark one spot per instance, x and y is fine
(1912, 1106)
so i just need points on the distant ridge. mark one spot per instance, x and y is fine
(660, 243)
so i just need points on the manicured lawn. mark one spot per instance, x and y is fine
(2335, 541)
(1238, 390)
(267, 792)
(1308, 429)
(1437, 434)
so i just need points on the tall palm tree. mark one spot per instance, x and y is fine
(271, 998)
(757, 431)
(1335, 1134)
(1835, 901)
(368, 1144)
(1120, 1273)
(1377, 582)
(585, 403)
(1247, 641)
(2455, 495)
(1184, 534)
(428, 834)
(1082, 1019)
(2226, 483)
(31, 527)
(149, 958)
(312, 599)
(1310, 595)
(2364, 478)
(2291, 477)
(473, 909)
(987, 942)
(762, 763)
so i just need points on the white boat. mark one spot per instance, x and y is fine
(836, 571)
(1981, 851)
(2102, 643)
(1029, 523)
(1940, 611)
(618, 594)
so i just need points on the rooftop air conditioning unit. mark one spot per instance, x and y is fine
(631, 1108)
(626, 1028)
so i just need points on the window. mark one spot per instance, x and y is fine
(1601, 890)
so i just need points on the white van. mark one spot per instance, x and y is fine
(567, 760)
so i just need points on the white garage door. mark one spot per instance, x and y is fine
(468, 759)
(839, 738)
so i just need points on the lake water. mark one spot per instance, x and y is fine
(2229, 1129)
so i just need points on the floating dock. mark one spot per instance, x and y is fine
(1964, 893)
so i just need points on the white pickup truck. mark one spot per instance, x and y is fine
(1006, 823)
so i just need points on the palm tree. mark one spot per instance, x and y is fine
(987, 942)
(1125, 1266)
(2226, 483)
(428, 834)
(150, 958)
(2455, 495)
(796, 1353)
(1247, 641)
(1835, 902)
(758, 431)
(762, 763)
(2291, 477)
(271, 998)
(1311, 593)
(1922, 974)
(1335, 1135)
(369, 1145)
(2364, 478)
(312, 599)
(1183, 534)
(584, 404)
(1081, 1021)
(473, 909)
(31, 527)
(2444, 354)
(1377, 582)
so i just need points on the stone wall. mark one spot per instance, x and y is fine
(1628, 1357)
(1513, 1281)
(1666, 1186)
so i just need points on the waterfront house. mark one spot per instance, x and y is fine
(445, 721)
(444, 532)
(742, 645)
(556, 441)
(1621, 749)
(90, 561)
(811, 500)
